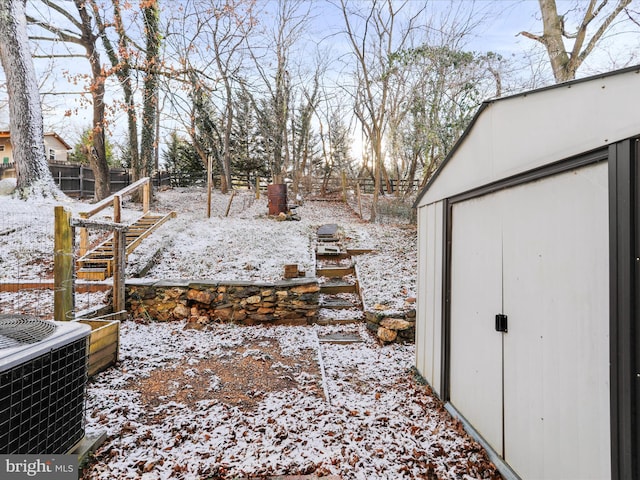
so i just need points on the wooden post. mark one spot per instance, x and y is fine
(81, 181)
(359, 199)
(63, 298)
(117, 208)
(84, 237)
(209, 170)
(119, 267)
(146, 196)
(233, 192)
(344, 187)
(257, 188)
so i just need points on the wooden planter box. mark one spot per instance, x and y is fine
(104, 344)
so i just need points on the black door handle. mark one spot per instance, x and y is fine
(501, 323)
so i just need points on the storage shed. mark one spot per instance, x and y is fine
(528, 324)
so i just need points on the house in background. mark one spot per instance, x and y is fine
(528, 319)
(55, 147)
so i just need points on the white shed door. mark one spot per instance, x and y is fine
(475, 360)
(553, 266)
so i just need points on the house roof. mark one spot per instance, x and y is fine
(7, 134)
(516, 133)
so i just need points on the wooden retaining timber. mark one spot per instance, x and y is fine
(81, 287)
(104, 343)
(335, 271)
(334, 286)
(359, 251)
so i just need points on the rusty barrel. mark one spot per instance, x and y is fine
(277, 195)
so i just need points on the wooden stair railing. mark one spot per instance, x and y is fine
(99, 263)
(116, 201)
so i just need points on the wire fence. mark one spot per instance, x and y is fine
(27, 285)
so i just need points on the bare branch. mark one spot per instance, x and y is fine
(65, 13)
(537, 38)
(630, 17)
(63, 34)
(58, 55)
(602, 29)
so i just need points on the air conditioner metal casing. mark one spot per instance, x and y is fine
(42, 390)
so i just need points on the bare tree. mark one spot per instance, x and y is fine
(290, 20)
(205, 47)
(565, 59)
(25, 111)
(120, 57)
(373, 45)
(437, 89)
(302, 135)
(227, 41)
(86, 38)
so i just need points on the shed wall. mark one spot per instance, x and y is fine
(429, 312)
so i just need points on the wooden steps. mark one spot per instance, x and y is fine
(97, 264)
(335, 271)
(337, 303)
(340, 293)
(339, 286)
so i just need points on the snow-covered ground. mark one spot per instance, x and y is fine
(245, 245)
(229, 402)
(376, 420)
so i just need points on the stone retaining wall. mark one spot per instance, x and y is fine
(287, 302)
(393, 328)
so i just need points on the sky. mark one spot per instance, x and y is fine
(498, 25)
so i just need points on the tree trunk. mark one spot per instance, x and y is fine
(150, 102)
(226, 146)
(25, 111)
(553, 27)
(98, 157)
(377, 177)
(564, 61)
(122, 67)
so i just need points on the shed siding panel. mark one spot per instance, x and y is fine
(424, 303)
(428, 339)
(437, 297)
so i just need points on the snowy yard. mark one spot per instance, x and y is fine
(236, 402)
(230, 402)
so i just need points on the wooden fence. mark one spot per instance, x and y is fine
(78, 181)
(367, 185)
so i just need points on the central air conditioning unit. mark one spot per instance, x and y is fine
(43, 374)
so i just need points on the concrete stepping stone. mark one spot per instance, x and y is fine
(340, 338)
(328, 301)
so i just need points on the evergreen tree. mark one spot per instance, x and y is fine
(340, 142)
(247, 155)
(205, 135)
(81, 149)
(266, 138)
(182, 161)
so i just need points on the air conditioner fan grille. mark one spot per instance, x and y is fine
(16, 330)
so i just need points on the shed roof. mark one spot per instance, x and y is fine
(518, 133)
